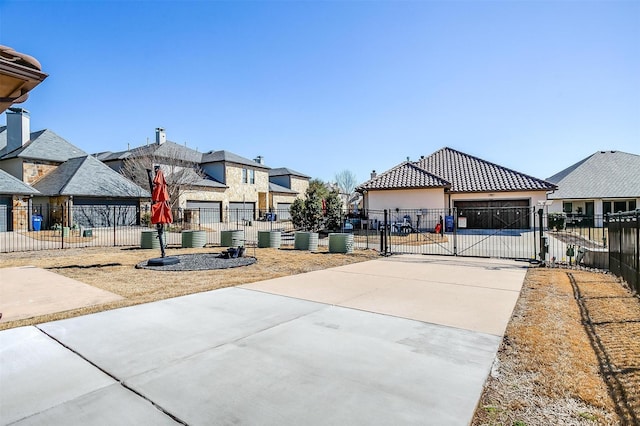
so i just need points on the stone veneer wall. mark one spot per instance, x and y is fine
(33, 171)
(20, 213)
(299, 185)
(58, 206)
(248, 192)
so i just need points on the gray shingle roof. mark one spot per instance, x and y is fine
(190, 177)
(11, 185)
(44, 145)
(404, 176)
(605, 174)
(280, 189)
(471, 174)
(167, 149)
(230, 157)
(89, 177)
(284, 171)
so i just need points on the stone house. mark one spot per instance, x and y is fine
(63, 177)
(284, 185)
(15, 199)
(220, 186)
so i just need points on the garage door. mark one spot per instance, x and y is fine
(494, 214)
(241, 211)
(5, 212)
(283, 211)
(100, 212)
(209, 211)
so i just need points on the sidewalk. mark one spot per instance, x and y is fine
(402, 340)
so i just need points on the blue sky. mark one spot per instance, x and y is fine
(324, 86)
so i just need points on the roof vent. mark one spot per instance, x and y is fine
(373, 174)
(259, 159)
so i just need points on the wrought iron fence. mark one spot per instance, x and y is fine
(624, 247)
(516, 232)
(57, 226)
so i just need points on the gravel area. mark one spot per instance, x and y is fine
(201, 262)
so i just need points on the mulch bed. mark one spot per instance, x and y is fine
(201, 262)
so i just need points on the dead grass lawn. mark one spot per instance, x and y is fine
(549, 369)
(113, 269)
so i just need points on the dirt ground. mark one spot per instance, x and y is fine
(113, 269)
(570, 355)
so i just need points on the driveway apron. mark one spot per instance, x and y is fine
(402, 340)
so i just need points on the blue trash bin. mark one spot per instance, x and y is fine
(448, 223)
(36, 222)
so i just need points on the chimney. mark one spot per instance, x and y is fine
(161, 136)
(373, 174)
(259, 159)
(18, 128)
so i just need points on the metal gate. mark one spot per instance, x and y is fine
(442, 232)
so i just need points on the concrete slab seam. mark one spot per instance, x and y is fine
(120, 382)
(428, 281)
(365, 311)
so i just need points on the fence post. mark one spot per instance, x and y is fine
(542, 254)
(535, 247)
(114, 226)
(455, 231)
(62, 225)
(384, 236)
(381, 231)
(637, 256)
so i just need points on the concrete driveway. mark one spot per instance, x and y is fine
(403, 340)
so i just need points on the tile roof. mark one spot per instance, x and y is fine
(405, 176)
(284, 171)
(230, 157)
(43, 145)
(604, 174)
(280, 189)
(89, 177)
(471, 174)
(11, 185)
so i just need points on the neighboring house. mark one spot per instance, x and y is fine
(228, 187)
(64, 176)
(485, 195)
(285, 185)
(14, 194)
(604, 182)
(93, 189)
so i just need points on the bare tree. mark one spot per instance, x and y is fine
(346, 181)
(181, 171)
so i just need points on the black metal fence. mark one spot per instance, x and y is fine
(46, 227)
(517, 232)
(624, 247)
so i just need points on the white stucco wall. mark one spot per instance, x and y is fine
(405, 199)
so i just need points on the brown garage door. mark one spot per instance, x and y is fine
(494, 214)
